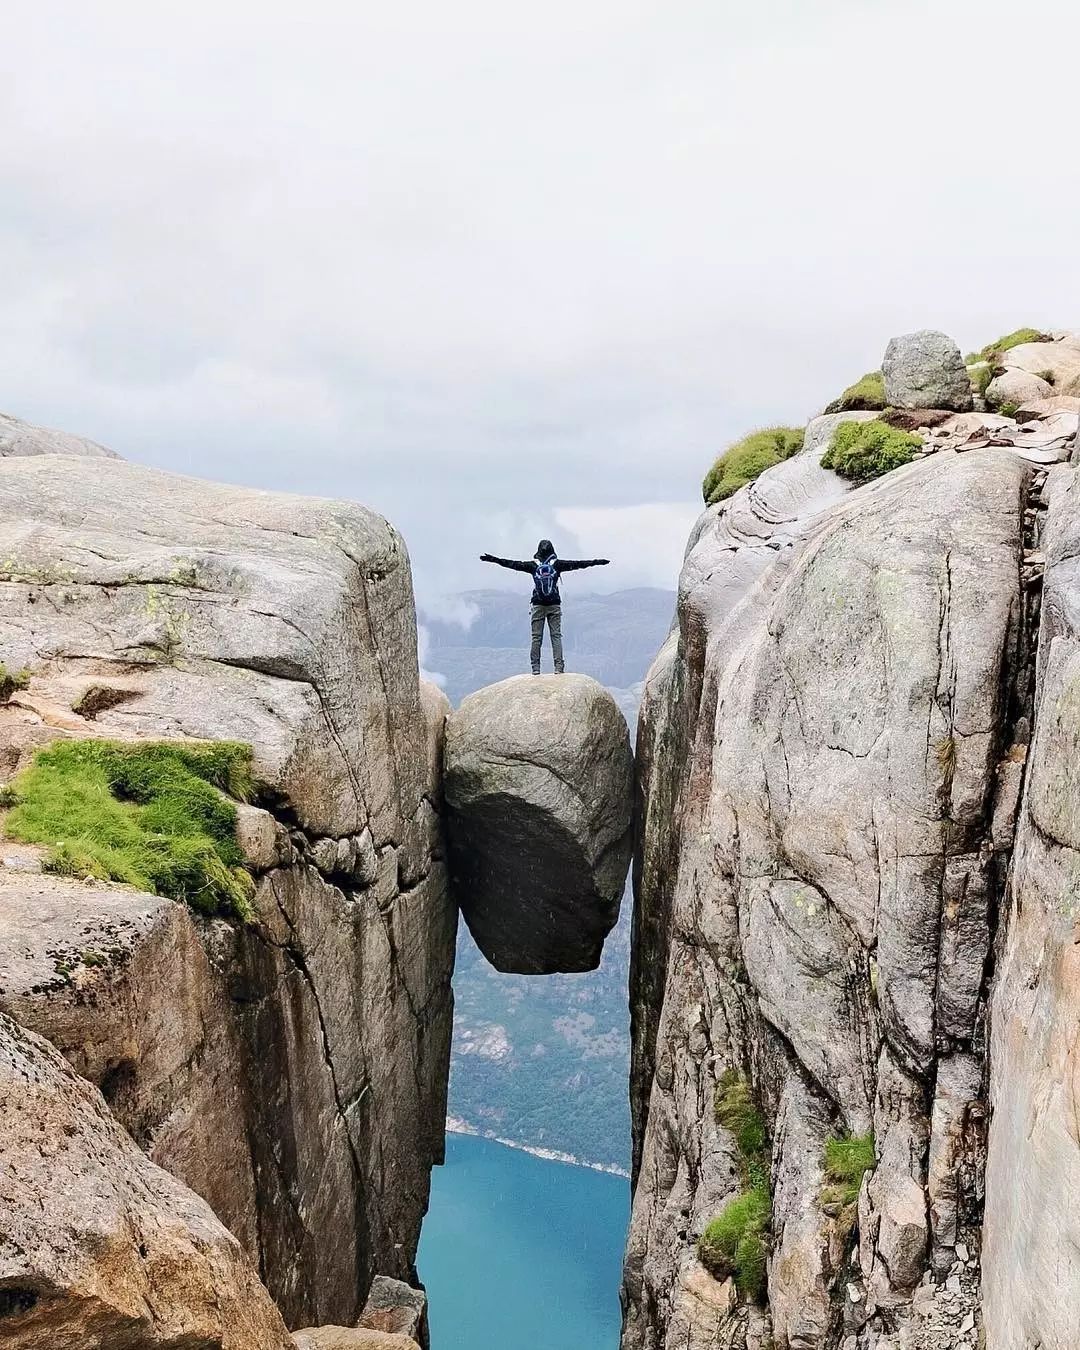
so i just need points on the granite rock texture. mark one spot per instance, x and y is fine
(100, 1248)
(827, 773)
(147, 605)
(538, 791)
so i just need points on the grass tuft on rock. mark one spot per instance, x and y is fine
(847, 1160)
(980, 374)
(735, 1110)
(744, 461)
(863, 451)
(11, 680)
(865, 395)
(993, 351)
(736, 1241)
(153, 815)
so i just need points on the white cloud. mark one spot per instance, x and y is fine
(470, 262)
(453, 609)
(423, 647)
(645, 543)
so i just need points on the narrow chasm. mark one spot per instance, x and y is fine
(538, 783)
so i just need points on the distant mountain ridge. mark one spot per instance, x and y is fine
(611, 637)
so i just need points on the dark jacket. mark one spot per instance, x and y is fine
(543, 552)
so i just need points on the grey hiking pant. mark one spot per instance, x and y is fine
(553, 615)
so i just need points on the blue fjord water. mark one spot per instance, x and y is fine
(519, 1253)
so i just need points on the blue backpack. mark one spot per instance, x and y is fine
(546, 577)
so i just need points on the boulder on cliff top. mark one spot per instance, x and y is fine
(98, 1246)
(925, 370)
(538, 792)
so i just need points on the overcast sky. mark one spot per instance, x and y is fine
(499, 269)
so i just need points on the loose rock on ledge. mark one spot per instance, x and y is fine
(538, 792)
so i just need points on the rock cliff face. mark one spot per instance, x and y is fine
(292, 1070)
(98, 1246)
(1030, 1271)
(830, 755)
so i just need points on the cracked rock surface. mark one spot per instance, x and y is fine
(828, 759)
(98, 1246)
(1031, 1279)
(144, 604)
(123, 985)
(538, 792)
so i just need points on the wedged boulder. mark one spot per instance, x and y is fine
(538, 794)
(925, 370)
(24, 438)
(100, 1248)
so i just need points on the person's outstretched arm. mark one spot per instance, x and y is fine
(512, 563)
(574, 565)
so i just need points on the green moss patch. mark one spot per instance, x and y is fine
(152, 815)
(862, 451)
(993, 351)
(980, 374)
(865, 395)
(742, 462)
(736, 1241)
(847, 1160)
(11, 680)
(735, 1110)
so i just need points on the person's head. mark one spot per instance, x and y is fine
(545, 549)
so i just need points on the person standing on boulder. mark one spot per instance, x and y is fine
(546, 570)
